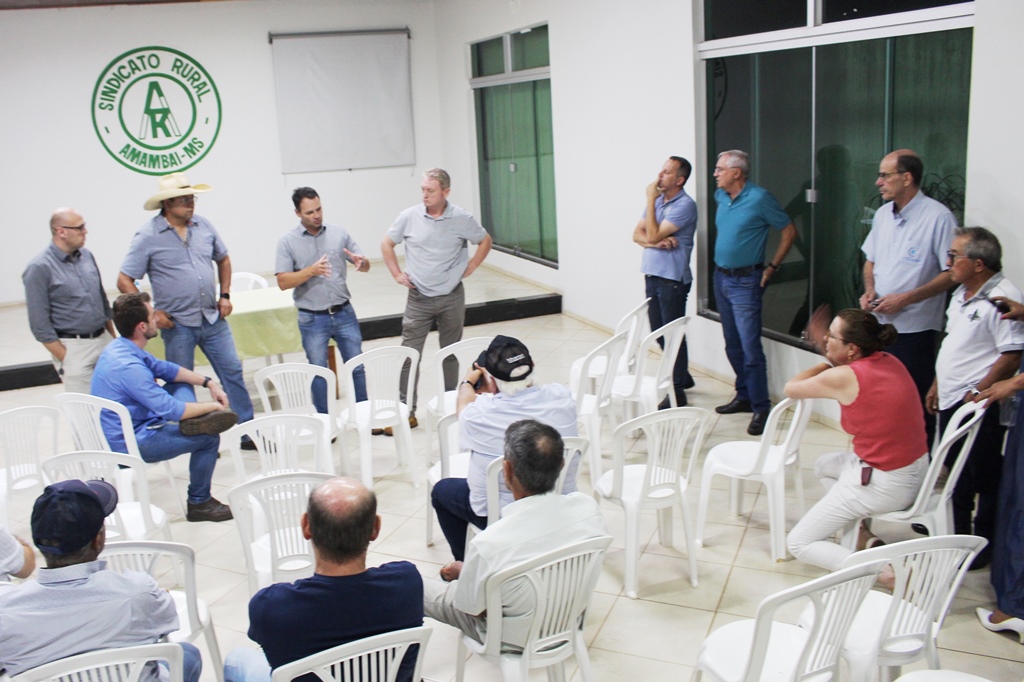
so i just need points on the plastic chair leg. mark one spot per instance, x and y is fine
(632, 549)
(691, 550)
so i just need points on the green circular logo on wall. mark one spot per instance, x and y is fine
(156, 110)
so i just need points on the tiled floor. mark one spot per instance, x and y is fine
(655, 637)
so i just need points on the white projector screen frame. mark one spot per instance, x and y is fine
(344, 100)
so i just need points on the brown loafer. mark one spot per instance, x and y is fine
(211, 510)
(413, 423)
(209, 424)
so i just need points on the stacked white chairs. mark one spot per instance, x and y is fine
(765, 461)
(28, 435)
(561, 584)
(292, 383)
(372, 659)
(278, 552)
(135, 518)
(126, 664)
(634, 324)
(893, 630)
(280, 439)
(83, 411)
(933, 508)
(660, 483)
(193, 613)
(593, 390)
(767, 649)
(246, 281)
(382, 407)
(638, 390)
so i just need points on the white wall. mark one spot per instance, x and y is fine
(50, 61)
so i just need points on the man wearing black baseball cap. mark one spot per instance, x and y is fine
(76, 605)
(498, 391)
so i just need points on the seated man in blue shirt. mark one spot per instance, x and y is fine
(168, 421)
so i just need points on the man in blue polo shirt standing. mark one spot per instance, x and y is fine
(665, 231)
(745, 214)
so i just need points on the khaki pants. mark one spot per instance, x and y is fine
(79, 362)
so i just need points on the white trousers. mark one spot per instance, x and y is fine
(847, 501)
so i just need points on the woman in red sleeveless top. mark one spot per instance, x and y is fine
(881, 409)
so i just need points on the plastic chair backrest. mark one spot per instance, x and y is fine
(667, 433)
(634, 323)
(114, 468)
(561, 583)
(245, 281)
(573, 445)
(780, 439)
(672, 334)
(278, 438)
(83, 412)
(27, 436)
(608, 354)
(123, 665)
(447, 435)
(465, 353)
(836, 598)
(928, 574)
(293, 384)
(372, 659)
(963, 428)
(279, 501)
(383, 368)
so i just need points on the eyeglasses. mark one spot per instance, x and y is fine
(719, 169)
(80, 228)
(830, 335)
(883, 176)
(953, 256)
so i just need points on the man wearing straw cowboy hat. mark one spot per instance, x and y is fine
(184, 294)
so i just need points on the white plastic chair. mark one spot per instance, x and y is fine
(634, 324)
(766, 461)
(193, 613)
(941, 676)
(660, 483)
(933, 508)
(292, 382)
(450, 464)
(637, 388)
(278, 553)
(894, 630)
(382, 407)
(767, 650)
(372, 659)
(592, 402)
(123, 665)
(246, 281)
(83, 411)
(465, 353)
(27, 436)
(561, 584)
(279, 439)
(135, 518)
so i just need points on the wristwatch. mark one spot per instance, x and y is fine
(206, 381)
(773, 266)
(226, 296)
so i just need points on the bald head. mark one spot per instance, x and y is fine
(342, 517)
(67, 228)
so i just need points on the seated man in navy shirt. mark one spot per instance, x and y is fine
(342, 602)
(168, 421)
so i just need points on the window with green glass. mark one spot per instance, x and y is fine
(816, 122)
(515, 146)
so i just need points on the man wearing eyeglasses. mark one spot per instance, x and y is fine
(68, 310)
(904, 274)
(176, 248)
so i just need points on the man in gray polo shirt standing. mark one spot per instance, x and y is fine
(436, 261)
(312, 259)
(68, 311)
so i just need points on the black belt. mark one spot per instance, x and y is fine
(740, 272)
(72, 335)
(330, 311)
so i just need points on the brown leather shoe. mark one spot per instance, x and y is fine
(211, 510)
(413, 423)
(209, 424)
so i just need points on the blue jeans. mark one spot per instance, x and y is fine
(450, 498)
(218, 345)
(192, 664)
(246, 664)
(166, 441)
(668, 302)
(317, 330)
(739, 304)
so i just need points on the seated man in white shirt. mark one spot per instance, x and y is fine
(16, 558)
(497, 391)
(537, 522)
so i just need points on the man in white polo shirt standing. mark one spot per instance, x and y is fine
(436, 237)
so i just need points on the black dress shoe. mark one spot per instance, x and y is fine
(664, 404)
(248, 444)
(919, 528)
(211, 510)
(982, 560)
(757, 423)
(734, 407)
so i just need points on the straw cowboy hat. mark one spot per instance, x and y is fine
(173, 185)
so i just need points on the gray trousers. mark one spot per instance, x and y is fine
(448, 312)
